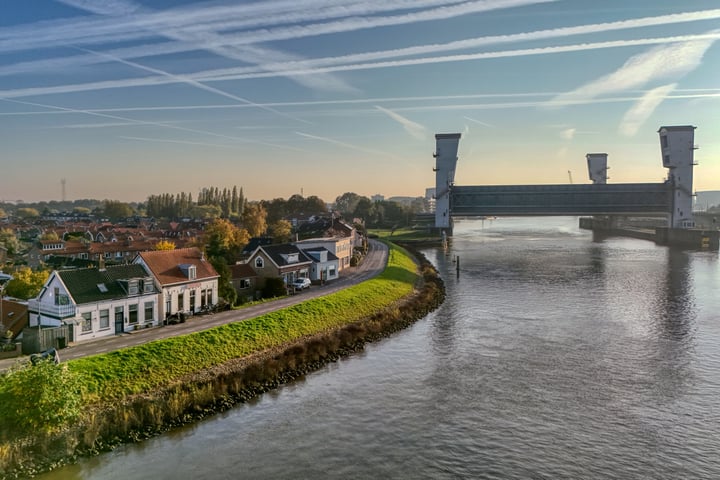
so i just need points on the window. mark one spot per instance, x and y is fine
(331, 271)
(83, 256)
(61, 298)
(259, 263)
(132, 287)
(192, 300)
(104, 319)
(663, 141)
(181, 302)
(148, 285)
(149, 311)
(133, 312)
(192, 272)
(87, 322)
(245, 283)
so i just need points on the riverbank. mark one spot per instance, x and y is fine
(204, 392)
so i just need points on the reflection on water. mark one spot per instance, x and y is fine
(554, 356)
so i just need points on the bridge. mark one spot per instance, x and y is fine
(672, 198)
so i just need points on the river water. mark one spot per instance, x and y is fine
(554, 356)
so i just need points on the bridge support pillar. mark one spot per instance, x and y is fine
(678, 148)
(446, 147)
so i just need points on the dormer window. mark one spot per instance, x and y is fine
(259, 263)
(189, 270)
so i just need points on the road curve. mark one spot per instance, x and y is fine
(374, 263)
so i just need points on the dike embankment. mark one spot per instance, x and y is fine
(213, 390)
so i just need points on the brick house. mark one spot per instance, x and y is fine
(286, 261)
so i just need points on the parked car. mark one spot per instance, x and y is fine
(301, 283)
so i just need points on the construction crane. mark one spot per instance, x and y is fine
(570, 177)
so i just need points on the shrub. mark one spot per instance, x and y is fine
(274, 287)
(40, 398)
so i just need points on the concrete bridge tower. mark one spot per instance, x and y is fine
(678, 148)
(597, 167)
(446, 147)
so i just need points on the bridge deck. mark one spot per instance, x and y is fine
(594, 199)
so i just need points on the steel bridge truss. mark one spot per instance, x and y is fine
(595, 199)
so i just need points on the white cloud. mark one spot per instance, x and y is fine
(665, 61)
(415, 129)
(642, 109)
(568, 133)
(474, 120)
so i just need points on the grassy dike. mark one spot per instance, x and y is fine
(141, 391)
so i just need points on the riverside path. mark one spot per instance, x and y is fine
(374, 263)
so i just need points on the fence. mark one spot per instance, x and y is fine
(36, 341)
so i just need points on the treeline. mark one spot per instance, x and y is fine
(225, 203)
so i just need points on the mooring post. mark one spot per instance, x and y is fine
(457, 266)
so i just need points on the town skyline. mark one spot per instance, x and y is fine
(124, 99)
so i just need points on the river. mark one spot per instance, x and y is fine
(554, 356)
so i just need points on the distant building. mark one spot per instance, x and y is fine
(430, 197)
(377, 198)
(706, 199)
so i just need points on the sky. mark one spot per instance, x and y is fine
(121, 99)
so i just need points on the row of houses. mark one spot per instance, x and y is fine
(161, 285)
(103, 301)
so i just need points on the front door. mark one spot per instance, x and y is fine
(119, 318)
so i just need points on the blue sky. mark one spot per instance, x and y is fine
(126, 98)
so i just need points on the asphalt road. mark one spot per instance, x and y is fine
(373, 264)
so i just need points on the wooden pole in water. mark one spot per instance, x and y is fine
(457, 266)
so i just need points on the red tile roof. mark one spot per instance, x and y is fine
(165, 265)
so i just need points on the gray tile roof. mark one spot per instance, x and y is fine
(83, 285)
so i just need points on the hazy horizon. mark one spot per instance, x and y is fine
(128, 98)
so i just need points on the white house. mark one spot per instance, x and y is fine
(325, 265)
(188, 283)
(96, 302)
(340, 247)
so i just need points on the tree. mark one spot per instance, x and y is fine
(205, 212)
(347, 202)
(276, 209)
(255, 219)
(363, 208)
(117, 210)
(27, 213)
(281, 231)
(26, 283)
(224, 240)
(164, 245)
(49, 237)
(225, 286)
(81, 210)
(314, 204)
(9, 241)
